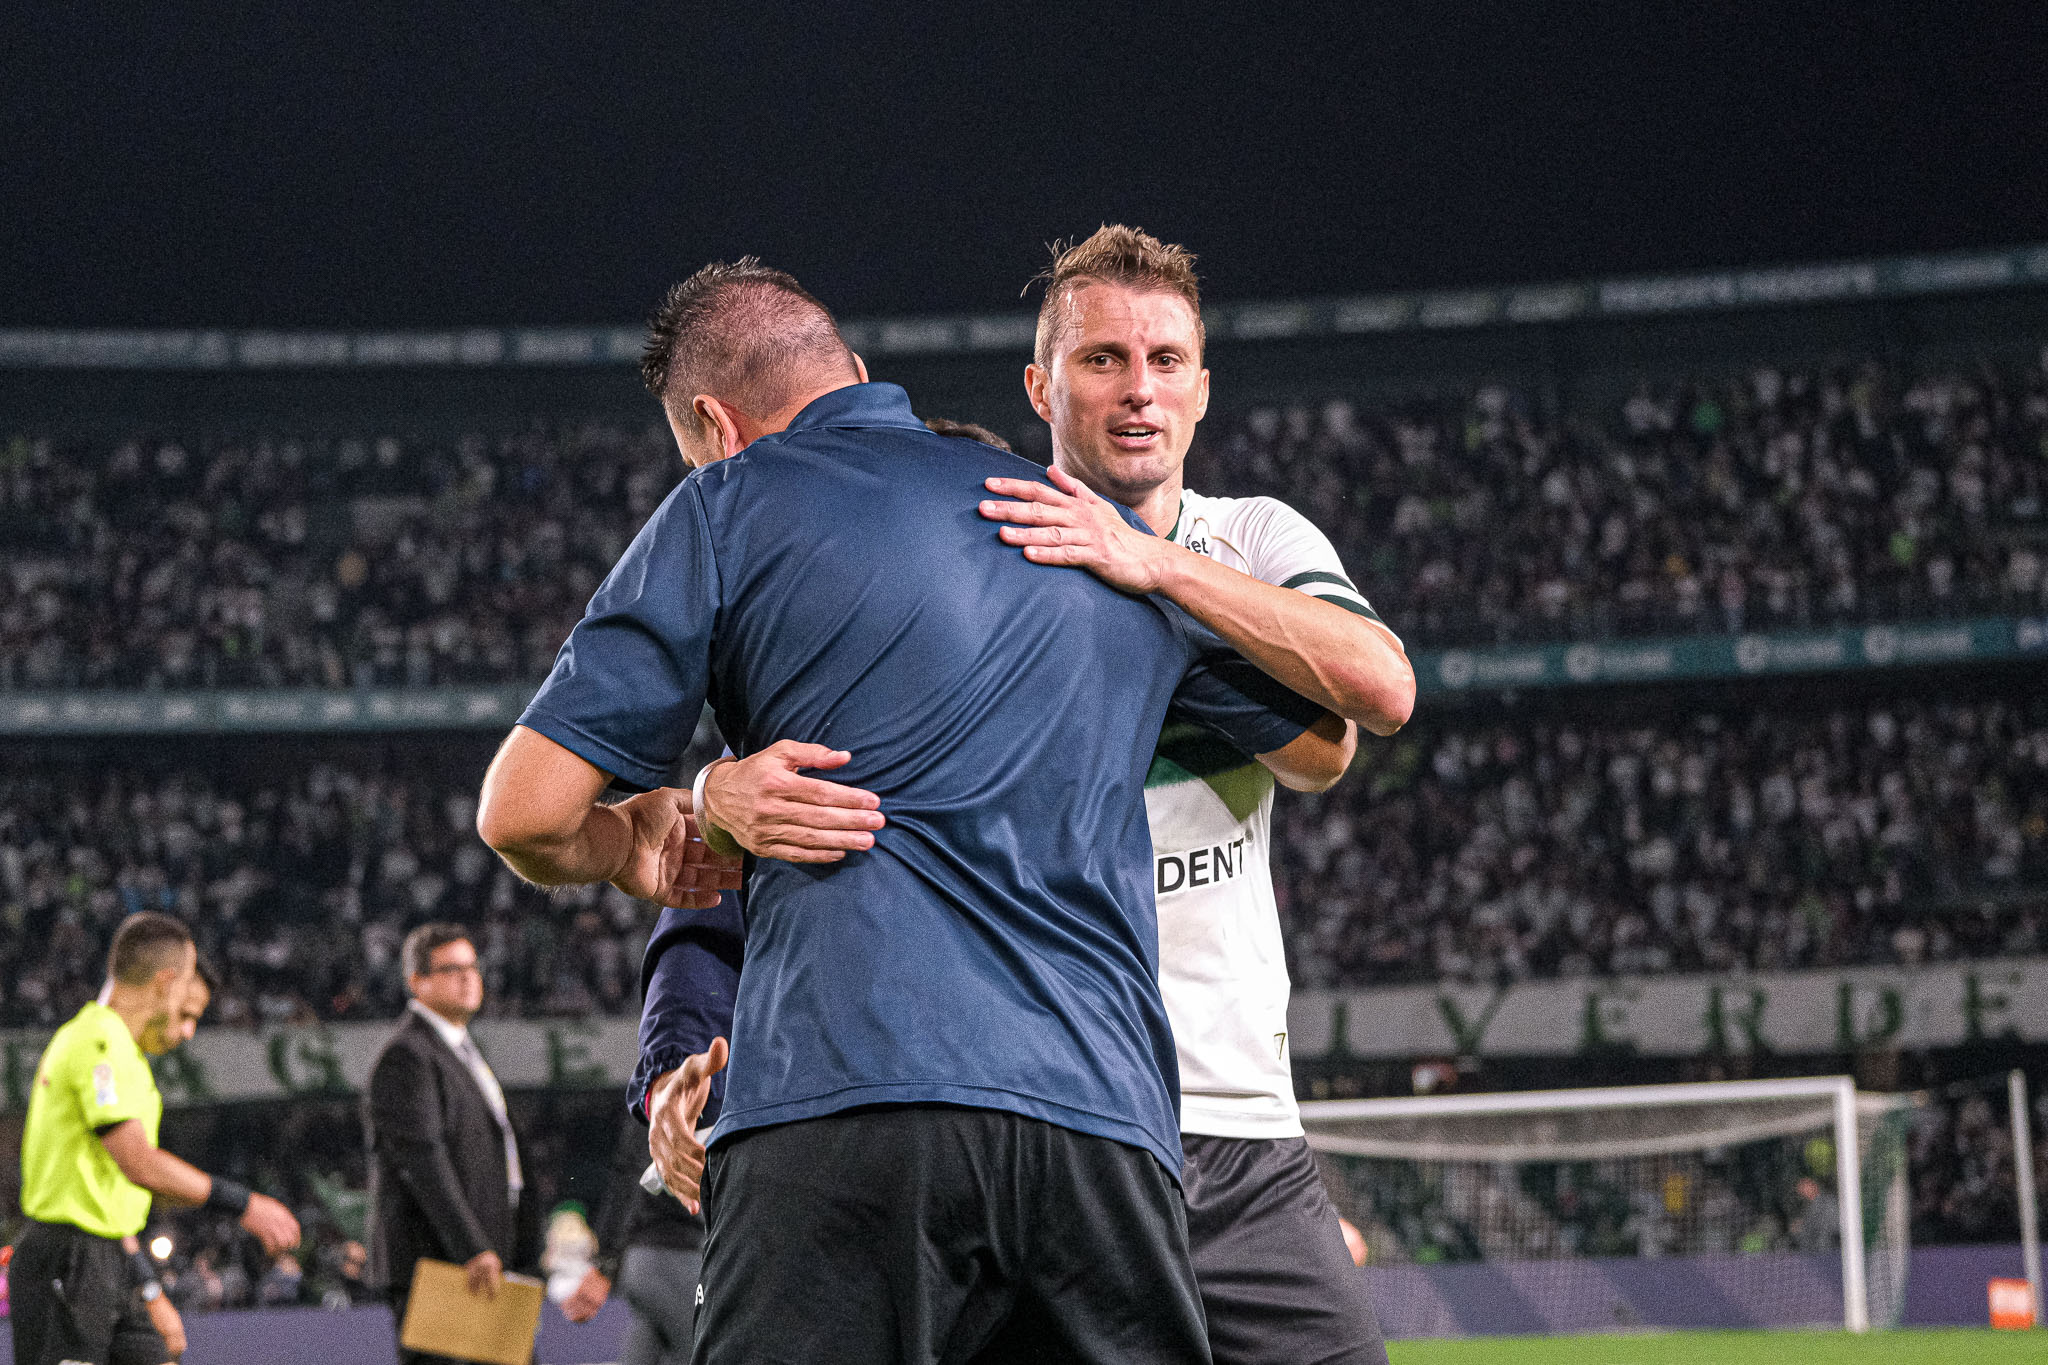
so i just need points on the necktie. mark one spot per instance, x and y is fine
(487, 1082)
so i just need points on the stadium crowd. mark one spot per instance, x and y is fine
(299, 890)
(1769, 500)
(1581, 844)
(261, 562)
(1895, 831)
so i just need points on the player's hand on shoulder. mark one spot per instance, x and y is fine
(1072, 526)
(270, 1223)
(773, 811)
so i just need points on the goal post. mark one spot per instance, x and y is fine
(1761, 1203)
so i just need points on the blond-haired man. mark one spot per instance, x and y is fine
(1118, 375)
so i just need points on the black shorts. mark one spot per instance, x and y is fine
(73, 1296)
(925, 1233)
(1277, 1282)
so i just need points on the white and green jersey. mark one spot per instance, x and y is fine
(1221, 965)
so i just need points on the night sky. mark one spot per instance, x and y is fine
(416, 164)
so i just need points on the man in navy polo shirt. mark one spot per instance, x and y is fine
(950, 1117)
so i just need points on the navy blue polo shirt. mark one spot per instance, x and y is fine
(997, 947)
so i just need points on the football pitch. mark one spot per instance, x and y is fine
(1907, 1347)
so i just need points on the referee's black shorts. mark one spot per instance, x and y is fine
(926, 1233)
(1277, 1283)
(72, 1296)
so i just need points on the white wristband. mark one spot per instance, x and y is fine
(715, 839)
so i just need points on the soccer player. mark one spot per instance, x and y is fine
(950, 1117)
(89, 1164)
(1117, 375)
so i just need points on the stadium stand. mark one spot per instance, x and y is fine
(300, 886)
(1773, 499)
(1894, 831)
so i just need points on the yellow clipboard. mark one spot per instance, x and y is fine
(443, 1318)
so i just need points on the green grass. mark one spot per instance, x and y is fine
(1909, 1347)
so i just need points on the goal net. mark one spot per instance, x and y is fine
(1730, 1204)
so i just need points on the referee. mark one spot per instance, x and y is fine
(89, 1164)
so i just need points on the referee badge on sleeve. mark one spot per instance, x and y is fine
(103, 1086)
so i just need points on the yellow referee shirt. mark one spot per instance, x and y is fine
(92, 1076)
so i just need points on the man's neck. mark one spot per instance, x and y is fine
(752, 430)
(130, 1007)
(1158, 506)
(449, 1020)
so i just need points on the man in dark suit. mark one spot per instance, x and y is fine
(446, 1179)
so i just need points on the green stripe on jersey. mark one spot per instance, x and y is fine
(1355, 605)
(1190, 753)
(1318, 576)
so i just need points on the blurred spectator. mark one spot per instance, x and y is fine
(280, 1286)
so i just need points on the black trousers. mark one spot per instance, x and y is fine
(1277, 1283)
(72, 1296)
(931, 1235)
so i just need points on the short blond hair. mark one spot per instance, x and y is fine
(1114, 254)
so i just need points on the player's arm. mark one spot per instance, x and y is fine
(623, 698)
(540, 812)
(177, 1181)
(1348, 663)
(689, 980)
(1317, 758)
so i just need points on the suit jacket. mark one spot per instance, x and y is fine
(437, 1163)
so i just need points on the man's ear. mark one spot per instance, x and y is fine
(724, 423)
(1037, 387)
(860, 367)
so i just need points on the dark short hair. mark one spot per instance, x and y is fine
(417, 955)
(144, 945)
(967, 431)
(745, 333)
(1113, 254)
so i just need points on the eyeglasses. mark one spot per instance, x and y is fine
(455, 969)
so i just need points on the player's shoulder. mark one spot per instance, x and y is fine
(85, 1037)
(1267, 535)
(1259, 513)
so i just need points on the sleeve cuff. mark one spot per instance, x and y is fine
(606, 757)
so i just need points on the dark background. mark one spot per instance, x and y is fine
(410, 164)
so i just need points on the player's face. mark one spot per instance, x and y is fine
(197, 998)
(1125, 388)
(162, 1030)
(452, 986)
